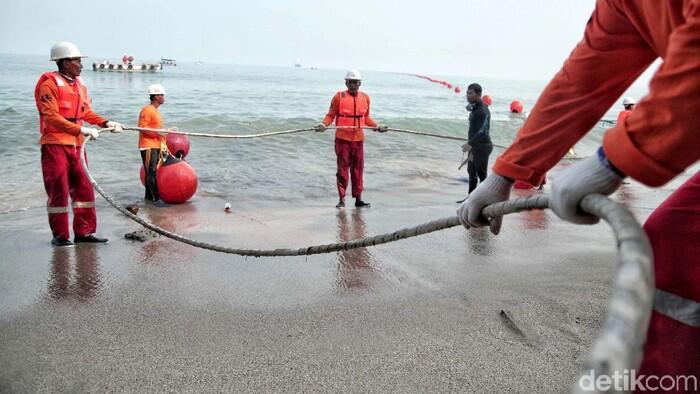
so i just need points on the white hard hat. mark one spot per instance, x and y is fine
(64, 50)
(354, 75)
(156, 88)
(629, 101)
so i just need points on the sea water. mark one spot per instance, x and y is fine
(236, 99)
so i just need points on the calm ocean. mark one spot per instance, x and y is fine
(233, 99)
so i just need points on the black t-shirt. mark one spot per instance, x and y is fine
(479, 126)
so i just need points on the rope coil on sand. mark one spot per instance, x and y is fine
(619, 344)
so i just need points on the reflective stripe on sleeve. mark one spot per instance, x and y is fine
(678, 308)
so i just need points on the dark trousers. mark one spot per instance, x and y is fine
(150, 159)
(351, 156)
(477, 166)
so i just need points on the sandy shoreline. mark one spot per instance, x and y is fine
(419, 314)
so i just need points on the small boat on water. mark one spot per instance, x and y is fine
(168, 62)
(129, 67)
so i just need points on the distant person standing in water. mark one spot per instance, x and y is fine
(63, 103)
(152, 144)
(628, 103)
(478, 145)
(350, 108)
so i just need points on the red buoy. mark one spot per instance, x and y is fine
(178, 145)
(449, 85)
(457, 89)
(142, 175)
(177, 181)
(487, 100)
(516, 107)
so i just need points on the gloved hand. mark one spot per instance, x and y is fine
(170, 130)
(466, 147)
(319, 128)
(381, 129)
(574, 183)
(116, 127)
(90, 132)
(494, 189)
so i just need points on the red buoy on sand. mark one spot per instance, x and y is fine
(177, 182)
(487, 100)
(178, 145)
(176, 179)
(516, 107)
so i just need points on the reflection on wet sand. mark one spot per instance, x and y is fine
(356, 267)
(535, 219)
(177, 219)
(480, 241)
(85, 283)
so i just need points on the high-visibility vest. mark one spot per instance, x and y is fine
(352, 111)
(623, 115)
(72, 99)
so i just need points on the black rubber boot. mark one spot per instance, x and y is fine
(90, 238)
(340, 204)
(61, 242)
(361, 204)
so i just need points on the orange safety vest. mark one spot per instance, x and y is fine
(73, 100)
(623, 115)
(352, 111)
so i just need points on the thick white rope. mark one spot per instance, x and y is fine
(619, 344)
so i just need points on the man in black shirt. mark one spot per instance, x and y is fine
(479, 145)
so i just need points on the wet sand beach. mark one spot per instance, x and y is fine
(453, 311)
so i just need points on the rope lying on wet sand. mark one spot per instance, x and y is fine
(620, 342)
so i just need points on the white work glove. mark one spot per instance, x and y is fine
(494, 189)
(116, 127)
(170, 130)
(319, 128)
(381, 129)
(574, 183)
(466, 147)
(90, 132)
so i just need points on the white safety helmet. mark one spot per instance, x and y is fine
(64, 50)
(156, 88)
(353, 75)
(629, 101)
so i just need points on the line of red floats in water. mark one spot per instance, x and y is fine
(515, 107)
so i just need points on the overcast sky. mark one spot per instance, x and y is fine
(516, 39)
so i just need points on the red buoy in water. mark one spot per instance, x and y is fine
(178, 145)
(457, 89)
(516, 107)
(177, 181)
(487, 100)
(449, 85)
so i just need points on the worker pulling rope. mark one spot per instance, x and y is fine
(620, 342)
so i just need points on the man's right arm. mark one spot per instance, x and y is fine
(332, 111)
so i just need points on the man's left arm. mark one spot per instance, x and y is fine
(368, 119)
(91, 117)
